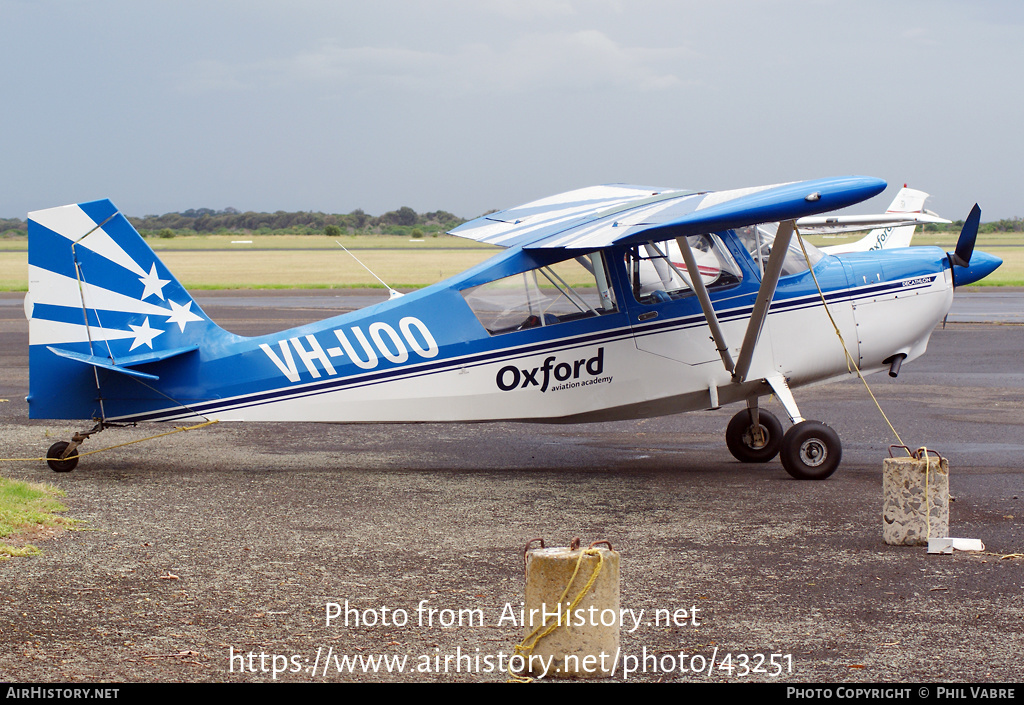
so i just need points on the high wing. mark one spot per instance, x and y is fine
(602, 216)
(563, 212)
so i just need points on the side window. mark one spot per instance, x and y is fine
(567, 291)
(759, 239)
(658, 273)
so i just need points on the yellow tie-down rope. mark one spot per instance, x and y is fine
(179, 429)
(851, 364)
(524, 648)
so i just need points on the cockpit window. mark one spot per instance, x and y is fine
(658, 273)
(567, 291)
(758, 239)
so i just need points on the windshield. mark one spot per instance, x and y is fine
(758, 239)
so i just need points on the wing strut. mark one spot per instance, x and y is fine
(772, 272)
(697, 282)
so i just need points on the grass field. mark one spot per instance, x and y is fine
(213, 262)
(313, 269)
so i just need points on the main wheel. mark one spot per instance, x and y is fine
(739, 436)
(53, 458)
(811, 451)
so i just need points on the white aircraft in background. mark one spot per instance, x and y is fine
(909, 203)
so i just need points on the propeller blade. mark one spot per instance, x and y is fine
(965, 243)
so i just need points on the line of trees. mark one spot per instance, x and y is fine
(1006, 225)
(13, 225)
(209, 221)
(205, 220)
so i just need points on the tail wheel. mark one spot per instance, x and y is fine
(53, 458)
(811, 451)
(743, 442)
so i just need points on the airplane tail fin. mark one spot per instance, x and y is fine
(101, 306)
(908, 200)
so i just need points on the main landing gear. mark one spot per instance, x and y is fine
(809, 450)
(754, 436)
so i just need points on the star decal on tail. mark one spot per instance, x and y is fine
(153, 284)
(182, 314)
(143, 335)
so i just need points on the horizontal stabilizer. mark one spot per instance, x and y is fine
(123, 366)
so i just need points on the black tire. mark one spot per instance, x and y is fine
(811, 451)
(53, 455)
(739, 437)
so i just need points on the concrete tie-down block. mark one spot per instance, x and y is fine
(916, 500)
(585, 639)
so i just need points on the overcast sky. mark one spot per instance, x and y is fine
(469, 105)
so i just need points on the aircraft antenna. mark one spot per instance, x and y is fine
(392, 294)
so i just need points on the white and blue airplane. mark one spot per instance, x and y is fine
(582, 317)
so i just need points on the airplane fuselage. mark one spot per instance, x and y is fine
(427, 357)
